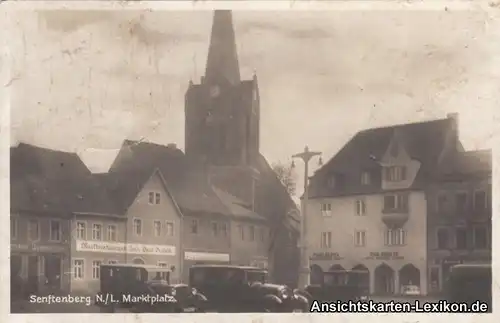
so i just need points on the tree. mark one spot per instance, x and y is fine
(287, 177)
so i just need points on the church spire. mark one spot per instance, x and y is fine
(222, 60)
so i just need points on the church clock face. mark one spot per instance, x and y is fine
(214, 91)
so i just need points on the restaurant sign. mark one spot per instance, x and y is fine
(326, 256)
(390, 255)
(122, 248)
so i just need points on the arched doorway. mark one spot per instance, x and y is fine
(337, 276)
(362, 275)
(138, 261)
(409, 275)
(316, 275)
(384, 280)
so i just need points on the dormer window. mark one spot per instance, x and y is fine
(365, 178)
(395, 173)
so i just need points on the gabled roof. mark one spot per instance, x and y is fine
(45, 180)
(189, 181)
(236, 206)
(423, 141)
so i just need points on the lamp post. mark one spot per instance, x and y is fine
(306, 156)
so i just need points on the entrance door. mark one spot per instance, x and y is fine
(53, 271)
(33, 274)
(384, 280)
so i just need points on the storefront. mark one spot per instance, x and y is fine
(440, 267)
(44, 268)
(202, 258)
(387, 272)
(89, 255)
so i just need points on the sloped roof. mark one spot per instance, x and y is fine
(189, 182)
(424, 141)
(186, 179)
(54, 181)
(235, 205)
(468, 163)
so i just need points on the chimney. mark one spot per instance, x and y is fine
(455, 126)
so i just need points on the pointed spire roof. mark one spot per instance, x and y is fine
(222, 60)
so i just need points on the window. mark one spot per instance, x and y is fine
(215, 229)
(194, 226)
(395, 237)
(157, 228)
(395, 173)
(170, 229)
(223, 229)
(480, 238)
(461, 202)
(396, 202)
(154, 198)
(251, 232)
(360, 238)
(96, 269)
(461, 237)
(480, 200)
(111, 232)
(326, 240)
(55, 230)
(33, 230)
(96, 231)
(13, 228)
(262, 234)
(81, 230)
(242, 231)
(137, 227)
(360, 207)
(331, 182)
(326, 209)
(441, 202)
(163, 275)
(78, 269)
(365, 178)
(443, 238)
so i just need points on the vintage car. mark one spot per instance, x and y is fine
(340, 285)
(242, 289)
(469, 283)
(145, 289)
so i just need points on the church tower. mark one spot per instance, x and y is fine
(222, 111)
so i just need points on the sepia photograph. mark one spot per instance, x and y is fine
(252, 160)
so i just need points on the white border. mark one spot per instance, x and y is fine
(206, 5)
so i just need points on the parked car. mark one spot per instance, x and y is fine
(145, 289)
(343, 285)
(469, 283)
(410, 290)
(241, 289)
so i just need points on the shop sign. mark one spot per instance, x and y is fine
(35, 247)
(385, 255)
(122, 248)
(206, 256)
(326, 256)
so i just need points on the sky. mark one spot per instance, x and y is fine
(84, 81)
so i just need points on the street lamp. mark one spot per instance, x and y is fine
(306, 156)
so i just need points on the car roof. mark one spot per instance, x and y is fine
(230, 267)
(146, 267)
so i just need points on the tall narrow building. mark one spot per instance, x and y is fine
(222, 111)
(222, 114)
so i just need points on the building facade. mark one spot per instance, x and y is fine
(368, 204)
(460, 210)
(96, 240)
(40, 251)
